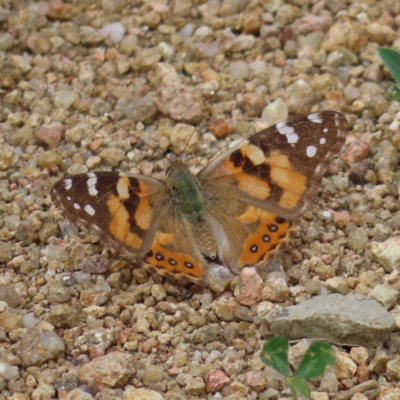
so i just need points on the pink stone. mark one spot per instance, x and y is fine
(173, 371)
(250, 287)
(50, 135)
(216, 381)
(356, 152)
(256, 380)
(341, 218)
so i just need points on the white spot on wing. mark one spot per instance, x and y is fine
(325, 130)
(292, 138)
(311, 151)
(69, 198)
(284, 129)
(77, 206)
(315, 117)
(89, 209)
(322, 140)
(68, 184)
(91, 184)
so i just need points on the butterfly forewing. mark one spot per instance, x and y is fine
(118, 208)
(298, 152)
(280, 169)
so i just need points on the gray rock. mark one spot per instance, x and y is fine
(358, 239)
(36, 349)
(219, 277)
(25, 232)
(351, 320)
(9, 295)
(5, 252)
(386, 295)
(142, 109)
(387, 253)
(58, 293)
(63, 315)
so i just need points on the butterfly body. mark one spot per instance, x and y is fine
(185, 190)
(240, 208)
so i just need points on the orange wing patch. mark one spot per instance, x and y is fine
(167, 262)
(291, 182)
(125, 225)
(270, 234)
(120, 225)
(252, 185)
(263, 177)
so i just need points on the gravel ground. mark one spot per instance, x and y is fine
(76, 321)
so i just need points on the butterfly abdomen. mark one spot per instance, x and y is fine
(204, 236)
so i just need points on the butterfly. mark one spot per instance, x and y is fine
(240, 209)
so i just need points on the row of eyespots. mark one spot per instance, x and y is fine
(266, 238)
(160, 257)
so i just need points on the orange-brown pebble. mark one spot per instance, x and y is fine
(252, 22)
(362, 373)
(97, 350)
(173, 371)
(215, 381)
(149, 344)
(220, 127)
(356, 152)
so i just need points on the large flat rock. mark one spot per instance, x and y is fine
(350, 320)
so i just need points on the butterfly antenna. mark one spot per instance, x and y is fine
(111, 119)
(187, 144)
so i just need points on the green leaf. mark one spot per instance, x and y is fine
(318, 356)
(275, 354)
(391, 59)
(394, 93)
(299, 386)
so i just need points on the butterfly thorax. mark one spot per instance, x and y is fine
(186, 192)
(190, 201)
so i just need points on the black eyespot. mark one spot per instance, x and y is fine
(272, 227)
(149, 253)
(172, 261)
(266, 238)
(254, 248)
(160, 256)
(280, 220)
(188, 264)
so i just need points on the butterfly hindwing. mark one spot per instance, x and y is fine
(174, 251)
